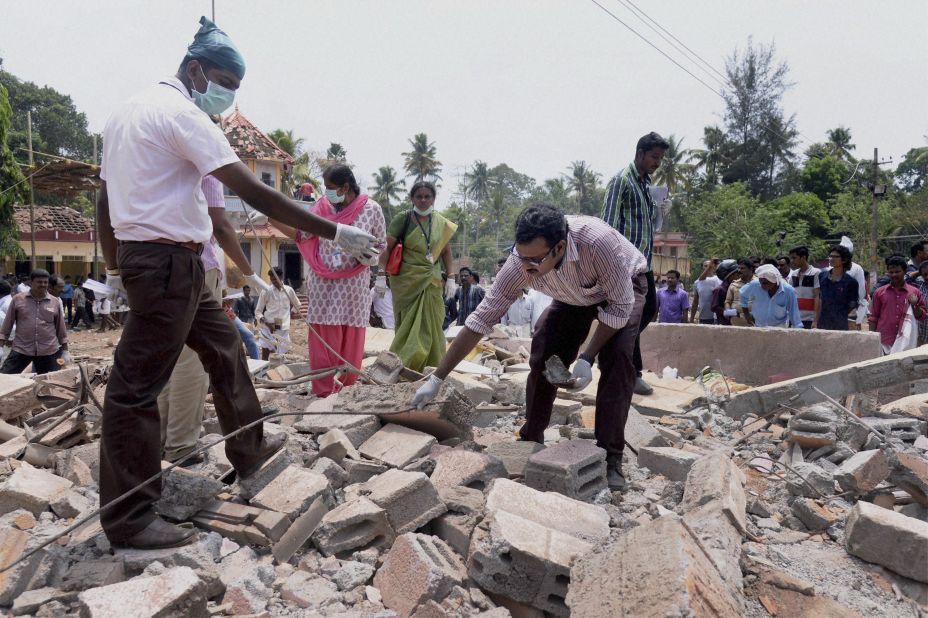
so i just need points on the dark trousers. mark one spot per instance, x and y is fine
(69, 305)
(807, 324)
(712, 321)
(16, 362)
(88, 310)
(169, 306)
(560, 331)
(80, 315)
(647, 316)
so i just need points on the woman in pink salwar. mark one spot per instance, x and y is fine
(338, 285)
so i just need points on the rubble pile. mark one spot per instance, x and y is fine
(374, 509)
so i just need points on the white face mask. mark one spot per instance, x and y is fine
(424, 213)
(333, 196)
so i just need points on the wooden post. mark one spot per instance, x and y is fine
(31, 191)
(94, 267)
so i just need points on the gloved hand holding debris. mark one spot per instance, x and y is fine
(427, 392)
(582, 375)
(257, 282)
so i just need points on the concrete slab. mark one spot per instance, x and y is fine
(669, 396)
(690, 347)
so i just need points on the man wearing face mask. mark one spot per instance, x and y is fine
(153, 223)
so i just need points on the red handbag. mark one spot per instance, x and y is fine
(395, 261)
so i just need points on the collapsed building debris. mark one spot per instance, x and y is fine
(773, 500)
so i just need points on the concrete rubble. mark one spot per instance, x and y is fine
(764, 501)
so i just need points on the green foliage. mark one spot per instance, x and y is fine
(421, 162)
(387, 189)
(851, 214)
(336, 153)
(483, 256)
(583, 183)
(912, 173)
(823, 176)
(13, 187)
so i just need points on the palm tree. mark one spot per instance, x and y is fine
(336, 153)
(293, 146)
(839, 143)
(583, 182)
(290, 144)
(712, 158)
(422, 162)
(387, 186)
(478, 187)
(670, 171)
(558, 192)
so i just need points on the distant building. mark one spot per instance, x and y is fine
(63, 241)
(671, 252)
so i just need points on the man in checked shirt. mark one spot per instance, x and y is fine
(593, 273)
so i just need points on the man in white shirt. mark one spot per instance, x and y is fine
(275, 306)
(804, 279)
(517, 320)
(153, 223)
(702, 290)
(382, 302)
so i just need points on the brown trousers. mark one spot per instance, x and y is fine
(169, 306)
(560, 331)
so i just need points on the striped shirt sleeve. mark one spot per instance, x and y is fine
(212, 189)
(507, 288)
(615, 276)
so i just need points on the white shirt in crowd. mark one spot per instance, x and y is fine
(22, 288)
(274, 306)
(166, 145)
(520, 313)
(383, 306)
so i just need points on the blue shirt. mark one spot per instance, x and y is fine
(67, 292)
(781, 309)
(672, 306)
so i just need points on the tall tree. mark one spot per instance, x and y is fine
(12, 183)
(478, 185)
(711, 159)
(839, 144)
(336, 153)
(761, 135)
(912, 173)
(422, 160)
(293, 146)
(388, 187)
(672, 167)
(583, 182)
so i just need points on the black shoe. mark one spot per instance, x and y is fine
(614, 477)
(642, 387)
(159, 534)
(270, 447)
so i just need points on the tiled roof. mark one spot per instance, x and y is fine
(58, 218)
(249, 142)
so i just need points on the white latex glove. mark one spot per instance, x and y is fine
(115, 282)
(4, 351)
(66, 357)
(356, 241)
(427, 391)
(582, 375)
(257, 282)
(369, 259)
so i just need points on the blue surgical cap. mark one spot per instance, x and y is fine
(214, 45)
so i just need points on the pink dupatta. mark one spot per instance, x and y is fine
(309, 246)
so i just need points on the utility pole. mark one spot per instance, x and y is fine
(31, 191)
(94, 268)
(876, 190)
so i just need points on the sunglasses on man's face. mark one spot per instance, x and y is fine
(534, 261)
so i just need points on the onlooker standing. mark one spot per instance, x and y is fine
(338, 285)
(67, 295)
(89, 298)
(838, 291)
(891, 303)
(518, 318)
(275, 307)
(804, 280)
(55, 287)
(245, 306)
(672, 301)
(5, 299)
(382, 302)
(917, 255)
(857, 271)
(248, 338)
(630, 209)
(733, 309)
(770, 301)
(41, 335)
(726, 271)
(920, 282)
(783, 265)
(468, 296)
(80, 301)
(703, 289)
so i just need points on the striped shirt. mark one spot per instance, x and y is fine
(630, 209)
(597, 267)
(805, 284)
(212, 189)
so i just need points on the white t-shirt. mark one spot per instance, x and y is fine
(704, 289)
(519, 313)
(383, 307)
(156, 149)
(540, 302)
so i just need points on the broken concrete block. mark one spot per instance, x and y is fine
(30, 601)
(14, 447)
(356, 427)
(670, 462)
(295, 536)
(514, 455)
(455, 529)
(397, 446)
(248, 582)
(575, 468)
(330, 470)
(476, 391)
(417, 568)
(715, 478)
(386, 368)
(8, 432)
(93, 574)
(354, 525)
(910, 472)
(863, 471)
(71, 467)
(272, 524)
(361, 471)
(466, 468)
(562, 410)
(72, 504)
(335, 445)
(15, 581)
(271, 469)
(887, 538)
(524, 560)
(815, 476)
(176, 592)
(183, 493)
(31, 489)
(450, 416)
(721, 539)
(293, 491)
(915, 406)
(409, 498)
(309, 591)
(17, 397)
(551, 510)
(657, 569)
(464, 500)
(640, 433)
(813, 515)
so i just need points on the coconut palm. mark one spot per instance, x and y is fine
(421, 161)
(478, 184)
(583, 181)
(839, 143)
(336, 153)
(712, 157)
(669, 173)
(387, 187)
(289, 143)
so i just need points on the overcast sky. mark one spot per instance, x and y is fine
(533, 83)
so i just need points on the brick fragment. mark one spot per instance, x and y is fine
(640, 433)
(670, 462)
(397, 446)
(335, 445)
(887, 538)
(354, 525)
(863, 471)
(409, 498)
(31, 489)
(292, 491)
(418, 568)
(813, 515)
(467, 469)
(514, 455)
(715, 478)
(910, 472)
(575, 468)
(176, 592)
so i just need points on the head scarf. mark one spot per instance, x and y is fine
(768, 272)
(847, 244)
(214, 45)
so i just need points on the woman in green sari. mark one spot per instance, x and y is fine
(418, 302)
